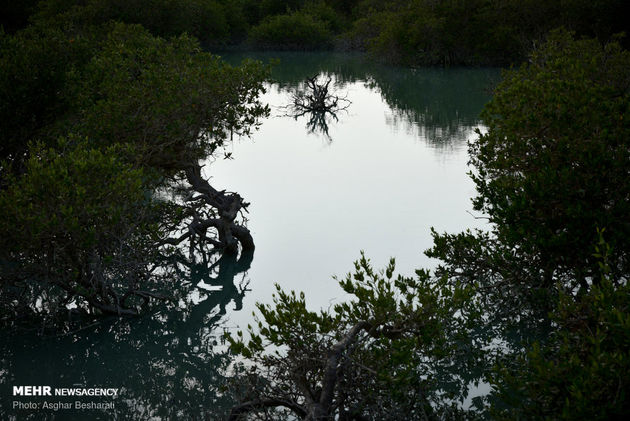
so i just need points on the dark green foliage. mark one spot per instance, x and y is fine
(551, 172)
(298, 30)
(279, 7)
(326, 13)
(425, 32)
(174, 103)
(553, 166)
(104, 82)
(146, 110)
(35, 66)
(396, 356)
(579, 372)
(79, 220)
(474, 31)
(213, 22)
(417, 32)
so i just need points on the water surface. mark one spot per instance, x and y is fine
(391, 167)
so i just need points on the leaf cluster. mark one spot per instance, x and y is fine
(578, 372)
(552, 168)
(551, 175)
(79, 220)
(403, 326)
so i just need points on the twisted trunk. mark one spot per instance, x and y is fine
(226, 206)
(320, 411)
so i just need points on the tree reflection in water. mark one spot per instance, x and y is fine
(168, 364)
(439, 106)
(315, 100)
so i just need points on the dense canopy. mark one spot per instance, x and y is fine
(104, 128)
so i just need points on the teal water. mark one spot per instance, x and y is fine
(389, 167)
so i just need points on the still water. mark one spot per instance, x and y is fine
(377, 178)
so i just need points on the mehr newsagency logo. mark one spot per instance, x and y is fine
(63, 391)
(64, 398)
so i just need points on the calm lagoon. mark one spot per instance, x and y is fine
(391, 166)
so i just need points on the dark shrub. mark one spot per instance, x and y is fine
(297, 30)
